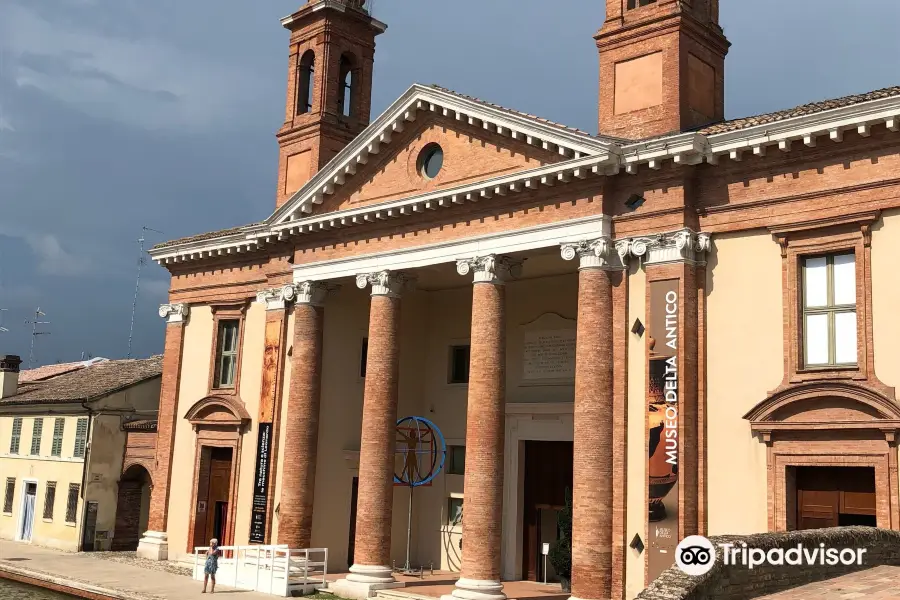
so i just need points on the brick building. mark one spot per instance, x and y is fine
(676, 318)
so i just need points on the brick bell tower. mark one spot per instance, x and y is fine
(662, 67)
(329, 90)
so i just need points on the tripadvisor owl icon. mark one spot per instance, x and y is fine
(695, 555)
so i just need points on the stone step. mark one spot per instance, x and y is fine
(400, 594)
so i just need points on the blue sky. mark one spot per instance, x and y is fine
(118, 114)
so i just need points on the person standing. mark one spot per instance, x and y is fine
(212, 565)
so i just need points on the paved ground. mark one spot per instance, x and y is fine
(878, 583)
(114, 572)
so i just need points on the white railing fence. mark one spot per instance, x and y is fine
(276, 570)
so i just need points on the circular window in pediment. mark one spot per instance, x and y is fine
(431, 161)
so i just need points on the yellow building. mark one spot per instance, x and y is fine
(62, 450)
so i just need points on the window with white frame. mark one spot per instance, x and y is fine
(829, 310)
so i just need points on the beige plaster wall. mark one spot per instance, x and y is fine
(65, 469)
(252, 347)
(885, 318)
(885, 289)
(106, 452)
(636, 477)
(194, 383)
(745, 362)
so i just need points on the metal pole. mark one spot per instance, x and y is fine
(409, 528)
(545, 569)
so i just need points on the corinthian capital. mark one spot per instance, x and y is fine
(683, 245)
(490, 268)
(592, 254)
(384, 283)
(174, 313)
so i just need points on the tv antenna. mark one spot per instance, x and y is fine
(34, 332)
(142, 259)
(2, 328)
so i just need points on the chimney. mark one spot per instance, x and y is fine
(9, 375)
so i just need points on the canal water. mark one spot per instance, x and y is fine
(13, 590)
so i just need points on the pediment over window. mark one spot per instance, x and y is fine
(218, 411)
(825, 405)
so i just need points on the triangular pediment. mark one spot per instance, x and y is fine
(465, 155)
(479, 141)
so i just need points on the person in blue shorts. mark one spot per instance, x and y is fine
(212, 565)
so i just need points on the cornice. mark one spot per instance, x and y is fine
(586, 155)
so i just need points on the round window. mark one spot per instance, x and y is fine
(431, 160)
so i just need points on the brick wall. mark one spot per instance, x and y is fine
(729, 582)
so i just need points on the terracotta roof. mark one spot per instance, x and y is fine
(48, 371)
(514, 112)
(140, 425)
(798, 111)
(205, 236)
(92, 383)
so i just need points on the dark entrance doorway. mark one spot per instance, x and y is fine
(834, 496)
(213, 496)
(132, 508)
(354, 496)
(548, 472)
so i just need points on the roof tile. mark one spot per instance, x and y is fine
(89, 383)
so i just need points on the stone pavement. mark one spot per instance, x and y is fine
(877, 583)
(91, 572)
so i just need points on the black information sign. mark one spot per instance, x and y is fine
(261, 486)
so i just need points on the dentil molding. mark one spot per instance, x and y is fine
(490, 268)
(174, 313)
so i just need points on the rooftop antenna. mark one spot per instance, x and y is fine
(2, 328)
(142, 259)
(34, 332)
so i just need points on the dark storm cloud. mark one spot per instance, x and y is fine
(116, 114)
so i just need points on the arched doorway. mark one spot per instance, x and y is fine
(132, 508)
(831, 455)
(219, 423)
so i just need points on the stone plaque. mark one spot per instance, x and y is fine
(549, 354)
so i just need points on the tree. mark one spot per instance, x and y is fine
(561, 552)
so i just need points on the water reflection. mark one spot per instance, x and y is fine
(13, 590)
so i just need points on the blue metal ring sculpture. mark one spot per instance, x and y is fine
(422, 444)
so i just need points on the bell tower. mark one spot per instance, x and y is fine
(329, 90)
(662, 67)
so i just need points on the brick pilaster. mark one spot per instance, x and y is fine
(592, 473)
(374, 509)
(485, 429)
(302, 420)
(168, 412)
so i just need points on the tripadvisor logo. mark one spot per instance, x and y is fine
(696, 555)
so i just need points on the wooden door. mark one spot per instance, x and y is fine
(217, 522)
(817, 509)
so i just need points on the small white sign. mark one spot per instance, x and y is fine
(545, 550)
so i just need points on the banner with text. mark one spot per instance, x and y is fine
(260, 509)
(663, 409)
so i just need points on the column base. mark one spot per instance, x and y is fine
(363, 581)
(154, 546)
(476, 589)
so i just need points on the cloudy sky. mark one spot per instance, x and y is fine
(120, 114)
